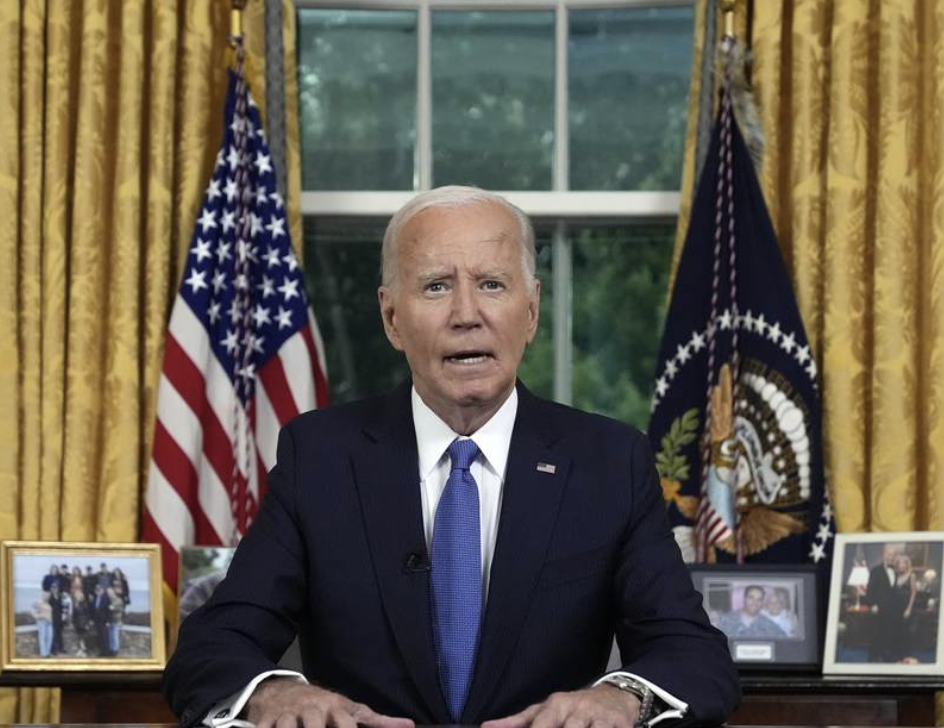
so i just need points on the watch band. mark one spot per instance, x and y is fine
(637, 688)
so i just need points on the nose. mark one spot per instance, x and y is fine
(465, 312)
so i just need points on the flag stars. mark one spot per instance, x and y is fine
(241, 282)
(802, 354)
(235, 312)
(262, 196)
(272, 257)
(697, 341)
(213, 312)
(267, 287)
(255, 224)
(232, 158)
(202, 250)
(277, 198)
(207, 219)
(824, 532)
(788, 342)
(260, 315)
(662, 386)
(682, 354)
(229, 221)
(196, 281)
(213, 191)
(725, 320)
(276, 227)
(760, 325)
(290, 260)
(818, 552)
(289, 289)
(222, 252)
(773, 332)
(230, 190)
(670, 368)
(284, 318)
(230, 341)
(219, 282)
(263, 163)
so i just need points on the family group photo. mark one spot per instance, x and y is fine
(75, 606)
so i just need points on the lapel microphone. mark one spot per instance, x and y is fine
(415, 563)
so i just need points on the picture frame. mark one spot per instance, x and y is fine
(770, 613)
(885, 604)
(201, 569)
(104, 614)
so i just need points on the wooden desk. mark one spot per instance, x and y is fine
(789, 699)
(780, 699)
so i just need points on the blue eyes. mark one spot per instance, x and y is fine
(440, 287)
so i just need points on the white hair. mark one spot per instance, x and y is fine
(453, 196)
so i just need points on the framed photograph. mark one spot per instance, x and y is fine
(769, 613)
(885, 604)
(80, 606)
(201, 569)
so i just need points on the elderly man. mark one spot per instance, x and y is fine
(457, 551)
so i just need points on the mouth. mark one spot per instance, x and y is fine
(468, 358)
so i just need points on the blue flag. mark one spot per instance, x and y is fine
(736, 412)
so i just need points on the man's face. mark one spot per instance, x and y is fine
(753, 600)
(890, 552)
(461, 309)
(774, 603)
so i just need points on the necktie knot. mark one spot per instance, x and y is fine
(462, 453)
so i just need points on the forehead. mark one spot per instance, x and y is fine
(439, 234)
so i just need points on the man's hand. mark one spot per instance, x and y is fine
(601, 707)
(281, 702)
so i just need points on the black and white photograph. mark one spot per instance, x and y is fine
(77, 606)
(768, 614)
(885, 604)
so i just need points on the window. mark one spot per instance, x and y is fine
(574, 110)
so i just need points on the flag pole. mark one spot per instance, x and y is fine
(236, 21)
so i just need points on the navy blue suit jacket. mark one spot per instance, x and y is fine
(338, 551)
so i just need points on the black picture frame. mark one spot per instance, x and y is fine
(790, 639)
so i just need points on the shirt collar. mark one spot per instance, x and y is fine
(433, 436)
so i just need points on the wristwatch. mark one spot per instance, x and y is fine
(637, 688)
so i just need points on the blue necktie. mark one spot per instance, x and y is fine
(457, 577)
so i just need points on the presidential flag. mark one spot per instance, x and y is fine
(735, 418)
(242, 357)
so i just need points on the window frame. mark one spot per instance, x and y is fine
(559, 205)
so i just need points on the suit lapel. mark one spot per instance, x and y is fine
(530, 503)
(387, 478)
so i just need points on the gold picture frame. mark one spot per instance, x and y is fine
(109, 606)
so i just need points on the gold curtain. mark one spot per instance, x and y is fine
(851, 98)
(113, 117)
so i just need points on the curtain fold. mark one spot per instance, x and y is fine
(851, 100)
(851, 95)
(113, 122)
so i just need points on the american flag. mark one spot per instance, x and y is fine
(243, 353)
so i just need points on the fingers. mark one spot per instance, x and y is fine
(579, 709)
(363, 715)
(518, 720)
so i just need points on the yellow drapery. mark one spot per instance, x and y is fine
(851, 99)
(113, 117)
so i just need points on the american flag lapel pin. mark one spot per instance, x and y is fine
(546, 468)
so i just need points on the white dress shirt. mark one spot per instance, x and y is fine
(433, 437)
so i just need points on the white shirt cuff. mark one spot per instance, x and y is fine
(223, 714)
(675, 708)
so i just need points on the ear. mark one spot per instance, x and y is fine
(388, 314)
(534, 310)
